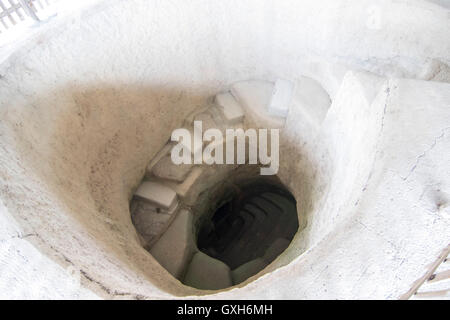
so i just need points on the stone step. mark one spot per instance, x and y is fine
(281, 98)
(288, 209)
(182, 189)
(248, 243)
(259, 214)
(271, 215)
(310, 101)
(218, 117)
(214, 120)
(255, 96)
(231, 109)
(222, 124)
(219, 144)
(207, 273)
(166, 169)
(284, 204)
(275, 249)
(158, 194)
(269, 207)
(149, 220)
(260, 219)
(278, 222)
(229, 233)
(247, 270)
(248, 222)
(257, 233)
(207, 119)
(176, 246)
(159, 155)
(195, 144)
(189, 120)
(369, 84)
(329, 75)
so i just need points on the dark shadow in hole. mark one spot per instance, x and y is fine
(244, 228)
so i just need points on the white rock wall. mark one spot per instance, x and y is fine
(84, 107)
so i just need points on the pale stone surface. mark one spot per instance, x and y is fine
(161, 154)
(183, 188)
(84, 108)
(166, 169)
(399, 175)
(311, 101)
(281, 98)
(150, 221)
(195, 144)
(328, 75)
(277, 247)
(247, 270)
(231, 109)
(27, 273)
(157, 193)
(175, 248)
(207, 120)
(255, 96)
(219, 144)
(207, 273)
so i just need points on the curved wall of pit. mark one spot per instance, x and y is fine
(85, 106)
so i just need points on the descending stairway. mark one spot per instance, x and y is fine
(253, 236)
(249, 227)
(154, 206)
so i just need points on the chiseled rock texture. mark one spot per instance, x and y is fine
(86, 104)
(208, 273)
(176, 247)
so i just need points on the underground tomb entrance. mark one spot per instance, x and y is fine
(240, 223)
(254, 224)
(212, 226)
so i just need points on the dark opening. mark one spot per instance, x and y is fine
(258, 221)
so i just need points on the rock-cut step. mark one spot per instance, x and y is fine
(207, 273)
(265, 103)
(152, 209)
(166, 169)
(275, 249)
(189, 187)
(179, 178)
(163, 197)
(176, 246)
(245, 271)
(231, 109)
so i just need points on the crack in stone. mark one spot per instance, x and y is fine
(394, 246)
(423, 155)
(107, 290)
